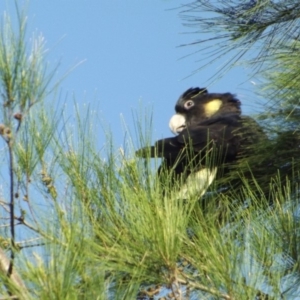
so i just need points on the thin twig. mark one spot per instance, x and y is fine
(176, 289)
(204, 288)
(26, 243)
(3, 203)
(4, 225)
(29, 241)
(26, 224)
(33, 245)
(12, 208)
(21, 221)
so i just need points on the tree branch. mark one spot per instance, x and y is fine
(14, 276)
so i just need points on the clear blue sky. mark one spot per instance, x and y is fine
(131, 55)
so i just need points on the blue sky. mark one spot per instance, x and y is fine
(131, 56)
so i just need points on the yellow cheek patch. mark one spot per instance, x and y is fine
(212, 107)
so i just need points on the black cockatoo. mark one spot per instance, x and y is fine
(210, 133)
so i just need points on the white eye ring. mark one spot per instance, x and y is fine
(188, 104)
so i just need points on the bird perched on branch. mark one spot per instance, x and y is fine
(210, 132)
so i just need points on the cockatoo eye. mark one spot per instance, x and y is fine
(188, 104)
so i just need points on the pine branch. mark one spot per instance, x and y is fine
(14, 276)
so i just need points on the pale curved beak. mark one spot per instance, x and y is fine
(177, 123)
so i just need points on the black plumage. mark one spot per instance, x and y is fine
(210, 132)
